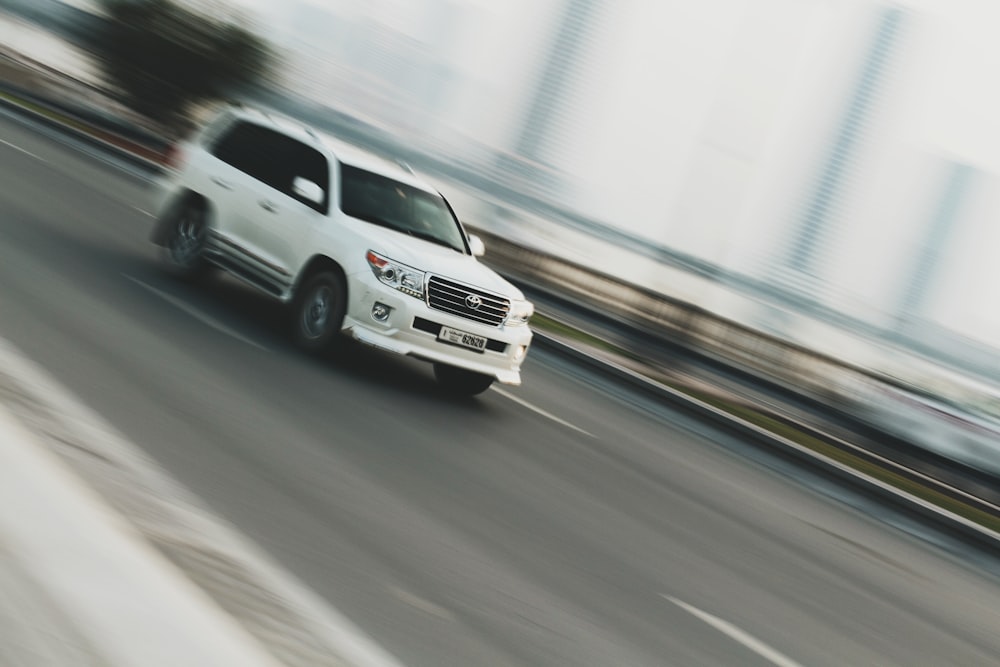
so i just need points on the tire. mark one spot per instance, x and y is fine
(318, 311)
(185, 236)
(460, 382)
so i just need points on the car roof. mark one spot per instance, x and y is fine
(357, 156)
(335, 147)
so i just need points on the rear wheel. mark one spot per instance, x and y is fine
(186, 235)
(461, 382)
(319, 311)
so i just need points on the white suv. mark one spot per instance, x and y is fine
(355, 243)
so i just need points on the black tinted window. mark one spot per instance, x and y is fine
(274, 159)
(242, 147)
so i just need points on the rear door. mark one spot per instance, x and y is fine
(281, 220)
(241, 161)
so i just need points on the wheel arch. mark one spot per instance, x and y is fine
(316, 264)
(309, 334)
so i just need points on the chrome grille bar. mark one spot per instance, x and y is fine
(461, 300)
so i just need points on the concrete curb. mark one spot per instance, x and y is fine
(895, 497)
(131, 605)
(237, 578)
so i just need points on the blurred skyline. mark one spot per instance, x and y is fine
(699, 125)
(960, 57)
(704, 126)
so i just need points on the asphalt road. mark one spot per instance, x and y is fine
(559, 523)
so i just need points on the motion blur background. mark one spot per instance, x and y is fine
(820, 170)
(781, 212)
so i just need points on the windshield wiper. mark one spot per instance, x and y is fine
(379, 221)
(430, 237)
(425, 236)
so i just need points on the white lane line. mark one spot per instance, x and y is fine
(420, 603)
(733, 632)
(25, 151)
(197, 314)
(534, 408)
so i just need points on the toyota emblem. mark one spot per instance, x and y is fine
(473, 301)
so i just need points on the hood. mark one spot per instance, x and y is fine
(438, 260)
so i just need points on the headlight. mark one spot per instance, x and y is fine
(520, 312)
(399, 276)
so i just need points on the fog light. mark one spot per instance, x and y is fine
(380, 312)
(520, 352)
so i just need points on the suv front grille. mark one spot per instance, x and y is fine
(458, 299)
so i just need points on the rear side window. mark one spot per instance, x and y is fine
(274, 159)
(211, 133)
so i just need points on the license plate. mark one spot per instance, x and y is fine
(456, 337)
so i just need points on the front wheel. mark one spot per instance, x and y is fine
(319, 311)
(461, 382)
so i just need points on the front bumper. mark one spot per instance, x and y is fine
(411, 329)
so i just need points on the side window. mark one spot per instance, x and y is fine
(297, 160)
(238, 147)
(274, 159)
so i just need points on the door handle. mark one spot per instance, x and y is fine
(267, 206)
(222, 183)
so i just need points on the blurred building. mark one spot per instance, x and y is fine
(390, 69)
(937, 243)
(535, 159)
(800, 266)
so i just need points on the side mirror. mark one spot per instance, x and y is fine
(307, 190)
(477, 246)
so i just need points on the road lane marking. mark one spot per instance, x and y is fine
(534, 408)
(735, 633)
(420, 603)
(197, 314)
(23, 150)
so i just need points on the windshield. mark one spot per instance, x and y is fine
(404, 208)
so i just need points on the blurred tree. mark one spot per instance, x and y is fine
(164, 57)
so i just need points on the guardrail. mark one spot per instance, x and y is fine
(735, 344)
(827, 380)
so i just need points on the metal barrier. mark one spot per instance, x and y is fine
(864, 393)
(814, 374)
